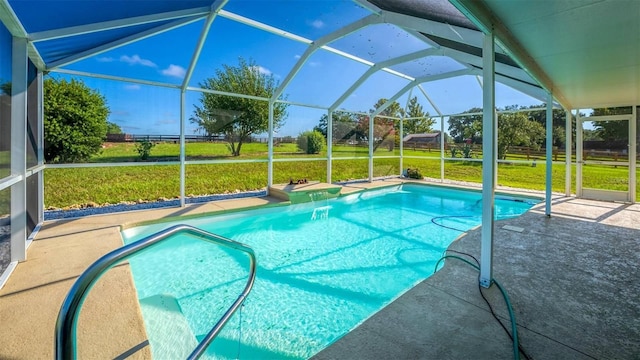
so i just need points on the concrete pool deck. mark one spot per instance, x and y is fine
(572, 279)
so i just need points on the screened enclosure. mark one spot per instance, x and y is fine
(225, 94)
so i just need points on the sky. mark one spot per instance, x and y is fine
(143, 109)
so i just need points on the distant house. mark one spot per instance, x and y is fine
(419, 139)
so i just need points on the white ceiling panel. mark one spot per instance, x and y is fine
(589, 49)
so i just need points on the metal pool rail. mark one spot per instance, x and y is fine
(66, 325)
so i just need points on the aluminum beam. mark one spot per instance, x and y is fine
(115, 78)
(19, 149)
(481, 15)
(430, 27)
(370, 140)
(401, 134)
(116, 24)
(377, 67)
(579, 152)
(122, 42)
(433, 104)
(13, 24)
(633, 146)
(329, 144)
(270, 148)
(442, 149)
(263, 27)
(40, 147)
(549, 156)
(488, 160)
(183, 177)
(340, 33)
(568, 147)
(421, 80)
(201, 40)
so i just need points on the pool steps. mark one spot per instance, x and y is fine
(163, 314)
(66, 324)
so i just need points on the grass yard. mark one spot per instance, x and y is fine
(5, 164)
(108, 185)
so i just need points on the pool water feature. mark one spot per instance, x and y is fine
(323, 268)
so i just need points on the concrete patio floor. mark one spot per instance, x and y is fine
(573, 280)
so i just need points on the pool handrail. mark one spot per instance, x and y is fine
(66, 324)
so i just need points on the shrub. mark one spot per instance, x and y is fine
(75, 121)
(144, 148)
(311, 142)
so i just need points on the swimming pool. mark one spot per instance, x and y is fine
(323, 268)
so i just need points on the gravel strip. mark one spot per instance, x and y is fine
(108, 209)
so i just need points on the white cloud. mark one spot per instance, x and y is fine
(137, 60)
(318, 24)
(105, 59)
(296, 56)
(262, 70)
(314, 63)
(132, 87)
(175, 71)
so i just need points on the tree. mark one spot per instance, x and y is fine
(384, 129)
(464, 127)
(113, 128)
(515, 129)
(75, 120)
(235, 117)
(423, 125)
(345, 126)
(558, 119)
(590, 135)
(393, 110)
(612, 130)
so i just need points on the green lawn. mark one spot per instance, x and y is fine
(78, 186)
(5, 164)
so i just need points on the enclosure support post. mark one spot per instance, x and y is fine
(441, 149)
(549, 169)
(19, 149)
(270, 147)
(183, 177)
(488, 158)
(568, 155)
(40, 146)
(329, 144)
(401, 128)
(371, 140)
(401, 135)
(633, 145)
(578, 154)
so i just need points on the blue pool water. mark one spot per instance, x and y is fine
(323, 268)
